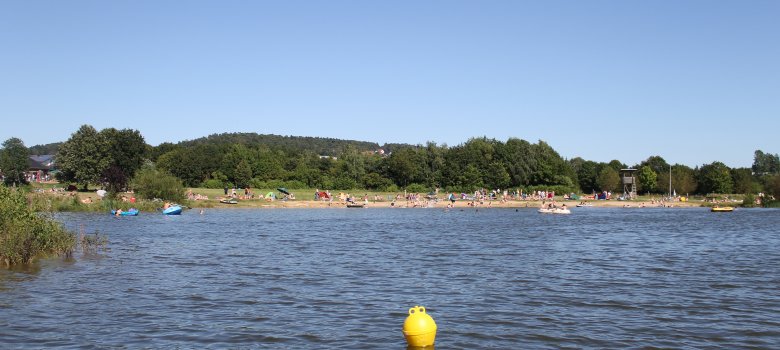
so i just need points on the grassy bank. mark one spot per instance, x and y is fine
(25, 234)
(45, 202)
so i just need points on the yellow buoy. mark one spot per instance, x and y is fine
(419, 328)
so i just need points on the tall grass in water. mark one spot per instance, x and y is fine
(25, 234)
(50, 203)
(91, 244)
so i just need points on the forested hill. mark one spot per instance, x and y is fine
(50, 148)
(318, 145)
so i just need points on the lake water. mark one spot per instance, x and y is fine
(345, 278)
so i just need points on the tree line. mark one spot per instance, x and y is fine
(112, 158)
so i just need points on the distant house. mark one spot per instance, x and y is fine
(40, 168)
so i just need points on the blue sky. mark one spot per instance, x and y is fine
(691, 81)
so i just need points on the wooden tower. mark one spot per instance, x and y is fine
(629, 182)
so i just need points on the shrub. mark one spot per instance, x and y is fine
(374, 181)
(749, 201)
(25, 235)
(217, 180)
(417, 188)
(344, 183)
(257, 183)
(151, 183)
(295, 185)
(213, 183)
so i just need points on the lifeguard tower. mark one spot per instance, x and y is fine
(629, 182)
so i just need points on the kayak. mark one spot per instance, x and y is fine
(172, 210)
(228, 201)
(131, 212)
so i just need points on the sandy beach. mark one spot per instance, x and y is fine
(210, 198)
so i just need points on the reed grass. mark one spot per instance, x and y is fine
(92, 243)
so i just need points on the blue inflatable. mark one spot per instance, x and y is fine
(172, 210)
(130, 212)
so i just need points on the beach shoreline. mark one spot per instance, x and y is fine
(210, 198)
(440, 204)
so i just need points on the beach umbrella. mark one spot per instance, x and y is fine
(283, 190)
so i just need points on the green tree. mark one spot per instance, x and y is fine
(243, 173)
(405, 167)
(163, 148)
(661, 169)
(586, 172)
(497, 177)
(14, 161)
(471, 178)
(715, 178)
(267, 164)
(773, 186)
(765, 163)
(616, 165)
(743, 181)
(184, 164)
(608, 179)
(518, 160)
(82, 159)
(193, 165)
(305, 170)
(547, 164)
(352, 164)
(684, 179)
(434, 164)
(125, 150)
(231, 160)
(374, 181)
(647, 179)
(657, 164)
(478, 153)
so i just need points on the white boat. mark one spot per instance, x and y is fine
(554, 211)
(584, 205)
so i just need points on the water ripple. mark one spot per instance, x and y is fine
(493, 279)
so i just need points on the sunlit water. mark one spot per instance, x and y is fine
(345, 278)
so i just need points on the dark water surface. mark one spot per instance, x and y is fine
(345, 278)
